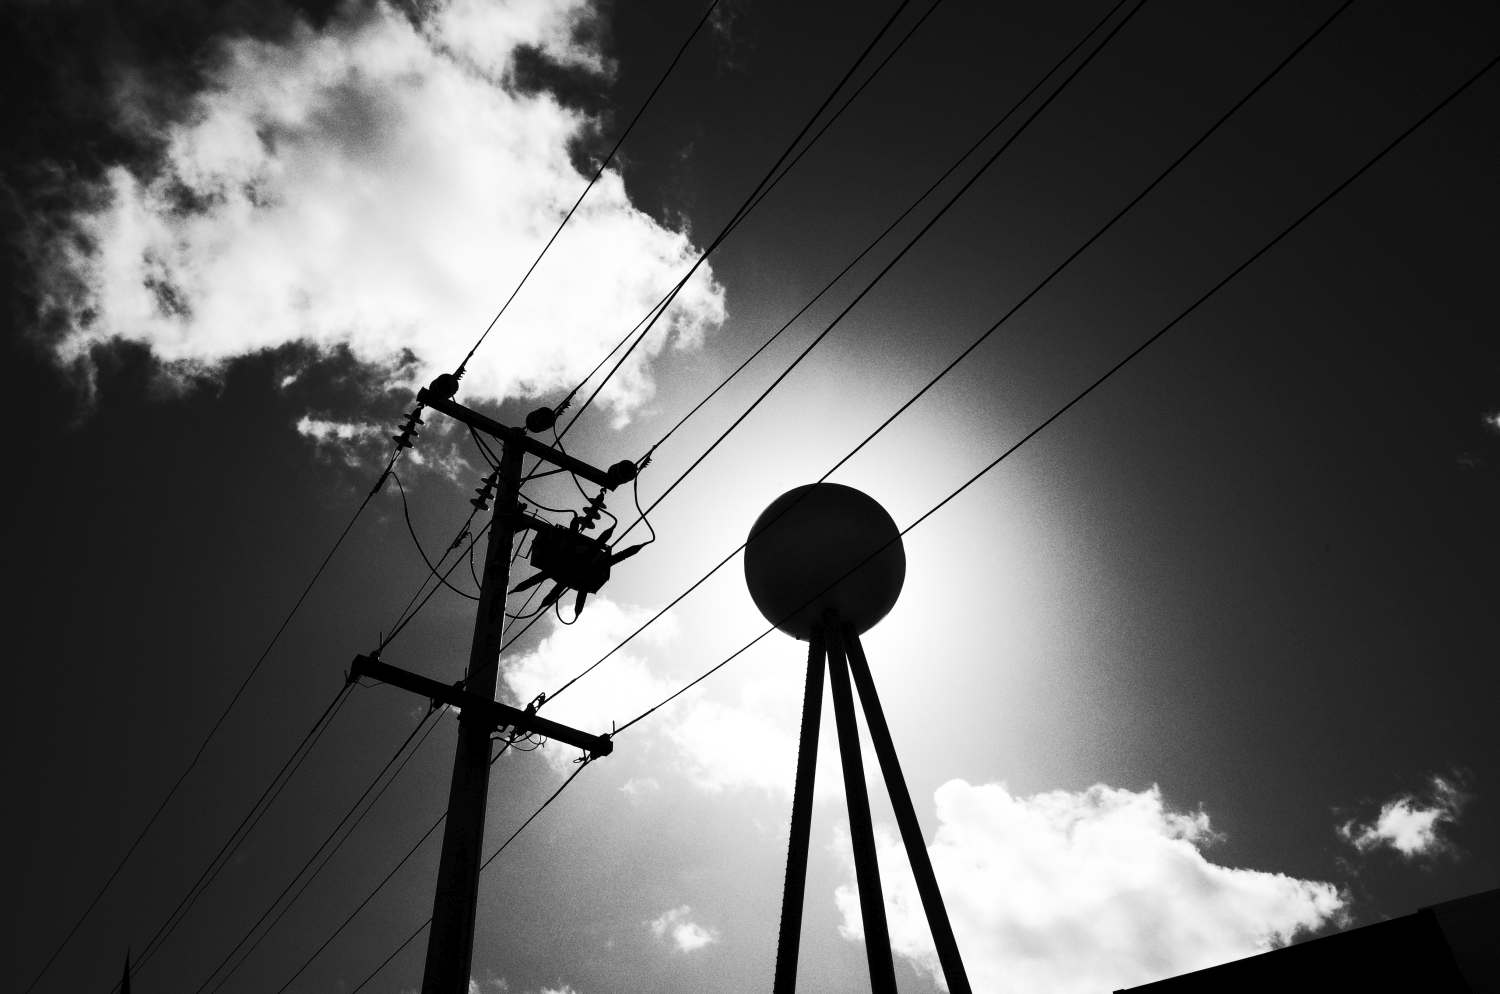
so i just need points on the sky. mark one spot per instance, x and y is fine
(1200, 670)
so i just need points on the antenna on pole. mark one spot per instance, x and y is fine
(825, 563)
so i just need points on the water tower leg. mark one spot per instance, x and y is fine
(906, 818)
(861, 832)
(789, 940)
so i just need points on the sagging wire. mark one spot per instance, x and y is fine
(431, 569)
(484, 450)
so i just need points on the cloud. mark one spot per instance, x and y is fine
(705, 734)
(1410, 823)
(376, 185)
(621, 688)
(1085, 891)
(674, 926)
(637, 788)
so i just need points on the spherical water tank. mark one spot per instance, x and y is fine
(824, 547)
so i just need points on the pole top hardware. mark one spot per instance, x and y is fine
(497, 714)
(618, 474)
(540, 420)
(445, 385)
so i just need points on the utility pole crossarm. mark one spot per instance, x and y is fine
(499, 715)
(618, 474)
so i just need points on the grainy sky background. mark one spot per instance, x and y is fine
(1203, 668)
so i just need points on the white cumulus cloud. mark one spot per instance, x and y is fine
(706, 730)
(619, 689)
(379, 186)
(1084, 891)
(686, 935)
(1410, 823)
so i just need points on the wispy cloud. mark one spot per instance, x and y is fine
(375, 185)
(1082, 891)
(1411, 823)
(686, 935)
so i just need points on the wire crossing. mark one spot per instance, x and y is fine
(213, 729)
(242, 831)
(1100, 381)
(870, 246)
(974, 178)
(488, 860)
(743, 209)
(964, 354)
(910, 244)
(594, 179)
(427, 723)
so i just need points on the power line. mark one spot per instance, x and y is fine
(820, 336)
(1003, 319)
(242, 830)
(594, 179)
(411, 529)
(535, 617)
(744, 212)
(308, 882)
(743, 209)
(491, 858)
(392, 872)
(911, 243)
(271, 908)
(218, 723)
(410, 613)
(1152, 339)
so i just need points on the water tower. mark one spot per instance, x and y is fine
(824, 563)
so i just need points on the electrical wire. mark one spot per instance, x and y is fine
(409, 614)
(766, 180)
(217, 724)
(886, 269)
(317, 574)
(242, 830)
(326, 859)
(412, 530)
(996, 325)
(736, 220)
(402, 862)
(1103, 378)
(594, 179)
(873, 243)
(311, 859)
(420, 928)
(911, 243)
(536, 616)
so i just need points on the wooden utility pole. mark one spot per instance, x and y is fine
(450, 949)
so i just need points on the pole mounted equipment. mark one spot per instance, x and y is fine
(584, 567)
(825, 563)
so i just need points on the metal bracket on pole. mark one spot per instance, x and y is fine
(499, 715)
(617, 475)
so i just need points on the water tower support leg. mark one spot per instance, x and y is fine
(790, 938)
(861, 832)
(906, 817)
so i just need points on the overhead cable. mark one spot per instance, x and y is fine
(217, 724)
(962, 355)
(328, 841)
(490, 859)
(821, 335)
(242, 830)
(594, 179)
(911, 242)
(1059, 412)
(749, 201)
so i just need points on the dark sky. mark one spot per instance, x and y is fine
(1251, 579)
